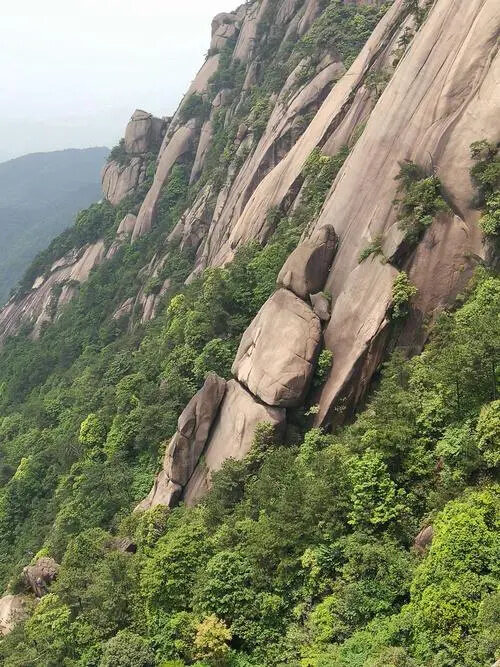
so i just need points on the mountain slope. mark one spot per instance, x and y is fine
(39, 196)
(198, 346)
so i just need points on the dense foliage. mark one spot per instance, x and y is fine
(302, 553)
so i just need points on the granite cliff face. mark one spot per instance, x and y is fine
(272, 90)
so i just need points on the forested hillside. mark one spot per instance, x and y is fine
(40, 195)
(249, 402)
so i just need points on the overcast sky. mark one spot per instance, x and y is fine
(73, 71)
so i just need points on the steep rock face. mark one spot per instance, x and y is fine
(232, 435)
(276, 356)
(441, 98)
(349, 103)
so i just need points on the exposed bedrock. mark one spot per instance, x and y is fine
(144, 133)
(306, 270)
(13, 609)
(187, 444)
(442, 97)
(277, 353)
(232, 435)
(193, 428)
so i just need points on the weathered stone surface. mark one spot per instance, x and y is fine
(12, 610)
(120, 180)
(187, 445)
(144, 133)
(37, 307)
(193, 428)
(125, 545)
(39, 576)
(321, 306)
(306, 270)
(164, 492)
(232, 435)
(276, 356)
(424, 539)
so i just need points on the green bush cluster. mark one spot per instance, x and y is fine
(402, 293)
(485, 176)
(421, 200)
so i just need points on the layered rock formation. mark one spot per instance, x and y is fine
(51, 292)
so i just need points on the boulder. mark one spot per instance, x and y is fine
(232, 435)
(12, 610)
(321, 306)
(193, 428)
(423, 539)
(144, 133)
(306, 270)
(187, 445)
(125, 545)
(39, 576)
(277, 353)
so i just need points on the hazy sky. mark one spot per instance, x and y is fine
(73, 71)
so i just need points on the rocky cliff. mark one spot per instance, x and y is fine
(383, 84)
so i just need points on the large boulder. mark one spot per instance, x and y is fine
(193, 428)
(186, 447)
(144, 133)
(306, 270)
(277, 353)
(232, 435)
(38, 577)
(12, 610)
(424, 539)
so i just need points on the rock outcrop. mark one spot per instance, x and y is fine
(38, 577)
(306, 270)
(13, 609)
(187, 445)
(50, 292)
(143, 136)
(276, 356)
(423, 539)
(232, 435)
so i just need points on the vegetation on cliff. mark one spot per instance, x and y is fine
(309, 551)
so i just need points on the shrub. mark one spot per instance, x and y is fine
(127, 649)
(194, 107)
(119, 154)
(373, 248)
(325, 362)
(211, 641)
(421, 202)
(402, 293)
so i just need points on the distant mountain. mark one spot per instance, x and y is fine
(40, 194)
